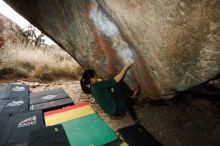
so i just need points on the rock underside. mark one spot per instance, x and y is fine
(175, 43)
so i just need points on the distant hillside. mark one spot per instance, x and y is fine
(8, 30)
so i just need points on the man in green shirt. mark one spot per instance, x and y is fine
(112, 95)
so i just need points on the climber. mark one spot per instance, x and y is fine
(113, 95)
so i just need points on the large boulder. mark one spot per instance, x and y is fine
(8, 31)
(175, 43)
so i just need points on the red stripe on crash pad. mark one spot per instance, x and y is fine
(65, 109)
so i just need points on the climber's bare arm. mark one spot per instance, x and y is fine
(120, 75)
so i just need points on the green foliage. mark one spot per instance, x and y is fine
(31, 35)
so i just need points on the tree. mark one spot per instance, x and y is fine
(31, 35)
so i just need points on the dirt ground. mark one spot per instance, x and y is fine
(190, 119)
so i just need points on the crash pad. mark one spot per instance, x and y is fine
(18, 90)
(15, 105)
(4, 91)
(68, 113)
(22, 125)
(52, 105)
(47, 95)
(49, 136)
(88, 130)
(5, 126)
(117, 143)
(137, 135)
(2, 104)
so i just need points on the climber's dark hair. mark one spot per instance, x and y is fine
(85, 80)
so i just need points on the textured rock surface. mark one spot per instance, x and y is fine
(175, 43)
(7, 30)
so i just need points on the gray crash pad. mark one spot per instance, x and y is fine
(18, 90)
(4, 91)
(15, 105)
(48, 95)
(52, 105)
(22, 124)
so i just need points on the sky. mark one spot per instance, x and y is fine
(7, 11)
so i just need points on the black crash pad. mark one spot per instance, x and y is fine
(22, 125)
(52, 105)
(19, 90)
(2, 104)
(4, 91)
(16, 105)
(116, 143)
(49, 136)
(137, 135)
(5, 126)
(48, 95)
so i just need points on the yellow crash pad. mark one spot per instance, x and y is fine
(69, 113)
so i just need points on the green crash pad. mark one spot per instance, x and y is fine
(88, 131)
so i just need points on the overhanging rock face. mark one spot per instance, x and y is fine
(175, 43)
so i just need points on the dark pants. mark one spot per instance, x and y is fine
(122, 95)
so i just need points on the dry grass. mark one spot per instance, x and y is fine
(42, 63)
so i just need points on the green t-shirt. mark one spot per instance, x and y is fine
(103, 96)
